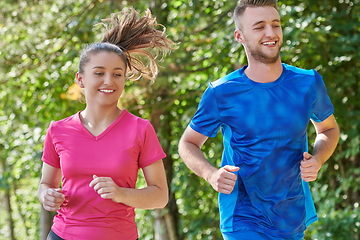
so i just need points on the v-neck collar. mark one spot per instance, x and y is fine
(98, 137)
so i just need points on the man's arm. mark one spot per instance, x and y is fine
(327, 138)
(222, 180)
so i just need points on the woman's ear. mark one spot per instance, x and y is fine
(79, 79)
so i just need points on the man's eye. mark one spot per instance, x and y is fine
(259, 28)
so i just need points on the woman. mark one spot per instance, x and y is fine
(95, 154)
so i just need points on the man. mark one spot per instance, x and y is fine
(263, 111)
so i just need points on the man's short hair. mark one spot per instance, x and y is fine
(243, 4)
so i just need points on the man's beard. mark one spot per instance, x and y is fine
(262, 57)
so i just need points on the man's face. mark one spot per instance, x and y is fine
(261, 34)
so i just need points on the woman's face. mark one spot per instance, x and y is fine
(103, 78)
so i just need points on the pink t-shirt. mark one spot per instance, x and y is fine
(128, 144)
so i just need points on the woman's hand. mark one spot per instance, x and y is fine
(53, 199)
(154, 195)
(106, 188)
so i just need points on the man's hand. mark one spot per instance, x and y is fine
(223, 180)
(309, 167)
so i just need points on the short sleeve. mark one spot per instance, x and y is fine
(151, 150)
(323, 107)
(50, 155)
(207, 118)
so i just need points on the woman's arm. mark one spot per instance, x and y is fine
(154, 195)
(49, 193)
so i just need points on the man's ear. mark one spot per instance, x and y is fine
(238, 36)
(79, 79)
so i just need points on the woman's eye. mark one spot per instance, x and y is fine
(117, 75)
(99, 73)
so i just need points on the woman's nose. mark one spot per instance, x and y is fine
(108, 79)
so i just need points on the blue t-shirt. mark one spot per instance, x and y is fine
(264, 129)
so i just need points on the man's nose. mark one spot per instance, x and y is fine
(270, 31)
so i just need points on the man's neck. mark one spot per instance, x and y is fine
(264, 73)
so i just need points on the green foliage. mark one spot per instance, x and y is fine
(40, 42)
(39, 49)
(327, 38)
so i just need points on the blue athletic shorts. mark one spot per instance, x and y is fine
(252, 235)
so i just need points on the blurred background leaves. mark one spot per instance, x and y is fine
(39, 48)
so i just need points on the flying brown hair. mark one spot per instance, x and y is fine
(140, 40)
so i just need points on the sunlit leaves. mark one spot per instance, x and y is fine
(39, 49)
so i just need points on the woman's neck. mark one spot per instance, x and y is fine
(96, 121)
